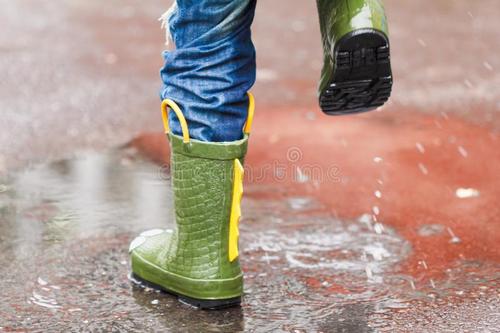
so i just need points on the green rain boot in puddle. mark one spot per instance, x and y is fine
(356, 75)
(198, 260)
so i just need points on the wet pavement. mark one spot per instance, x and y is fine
(65, 227)
(377, 222)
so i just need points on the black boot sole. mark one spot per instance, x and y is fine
(362, 78)
(198, 303)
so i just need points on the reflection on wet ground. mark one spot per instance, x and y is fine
(65, 229)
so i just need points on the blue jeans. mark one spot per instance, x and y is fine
(212, 67)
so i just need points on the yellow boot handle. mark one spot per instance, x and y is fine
(170, 104)
(165, 105)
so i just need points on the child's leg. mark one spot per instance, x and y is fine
(212, 67)
(208, 76)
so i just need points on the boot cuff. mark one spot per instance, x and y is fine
(209, 150)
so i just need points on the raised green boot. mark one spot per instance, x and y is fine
(356, 75)
(198, 260)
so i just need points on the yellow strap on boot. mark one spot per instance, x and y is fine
(235, 209)
(251, 110)
(165, 105)
(170, 104)
(238, 173)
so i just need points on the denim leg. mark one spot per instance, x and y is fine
(212, 67)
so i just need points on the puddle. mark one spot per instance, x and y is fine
(65, 228)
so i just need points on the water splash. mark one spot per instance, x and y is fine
(324, 271)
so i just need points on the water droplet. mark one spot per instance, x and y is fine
(379, 228)
(487, 65)
(412, 284)
(462, 151)
(424, 264)
(454, 239)
(464, 193)
(377, 159)
(376, 210)
(421, 42)
(423, 169)
(378, 194)
(41, 281)
(420, 147)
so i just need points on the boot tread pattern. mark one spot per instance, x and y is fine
(362, 78)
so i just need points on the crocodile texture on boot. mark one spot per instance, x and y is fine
(197, 261)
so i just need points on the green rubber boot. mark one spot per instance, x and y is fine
(356, 75)
(198, 260)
